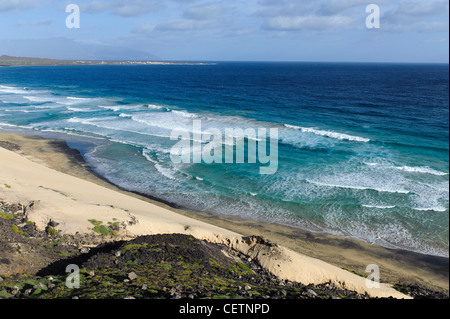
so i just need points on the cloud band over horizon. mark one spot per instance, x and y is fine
(259, 30)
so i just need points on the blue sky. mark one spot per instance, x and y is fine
(228, 30)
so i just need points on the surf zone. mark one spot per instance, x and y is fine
(231, 146)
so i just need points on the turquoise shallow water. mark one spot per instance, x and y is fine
(362, 148)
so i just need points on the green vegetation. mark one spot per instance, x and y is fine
(402, 289)
(5, 294)
(114, 225)
(111, 229)
(103, 230)
(133, 248)
(16, 229)
(95, 222)
(355, 273)
(245, 268)
(6, 215)
(51, 231)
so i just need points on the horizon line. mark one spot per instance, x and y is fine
(229, 61)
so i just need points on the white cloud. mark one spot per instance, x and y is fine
(418, 27)
(332, 7)
(413, 16)
(123, 8)
(205, 12)
(282, 23)
(240, 32)
(144, 29)
(11, 5)
(185, 25)
(301, 15)
(397, 16)
(408, 11)
(96, 6)
(416, 9)
(44, 22)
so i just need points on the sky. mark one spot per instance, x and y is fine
(410, 31)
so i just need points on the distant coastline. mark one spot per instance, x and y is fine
(6, 60)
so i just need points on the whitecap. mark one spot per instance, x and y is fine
(330, 134)
(75, 109)
(33, 98)
(379, 206)
(421, 169)
(12, 90)
(357, 187)
(114, 108)
(80, 98)
(184, 114)
(157, 107)
(410, 169)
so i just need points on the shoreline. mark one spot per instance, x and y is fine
(396, 266)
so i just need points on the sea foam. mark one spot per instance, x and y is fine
(410, 169)
(330, 134)
(360, 187)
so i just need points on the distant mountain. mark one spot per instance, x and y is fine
(67, 49)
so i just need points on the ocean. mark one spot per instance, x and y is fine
(362, 148)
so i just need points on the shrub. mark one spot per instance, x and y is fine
(105, 230)
(102, 230)
(6, 215)
(95, 222)
(51, 231)
(16, 229)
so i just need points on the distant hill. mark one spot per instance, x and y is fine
(6, 60)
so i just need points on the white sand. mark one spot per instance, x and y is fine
(71, 202)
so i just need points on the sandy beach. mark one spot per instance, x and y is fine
(67, 191)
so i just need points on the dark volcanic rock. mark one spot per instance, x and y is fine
(170, 266)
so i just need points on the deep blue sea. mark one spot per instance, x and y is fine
(362, 148)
